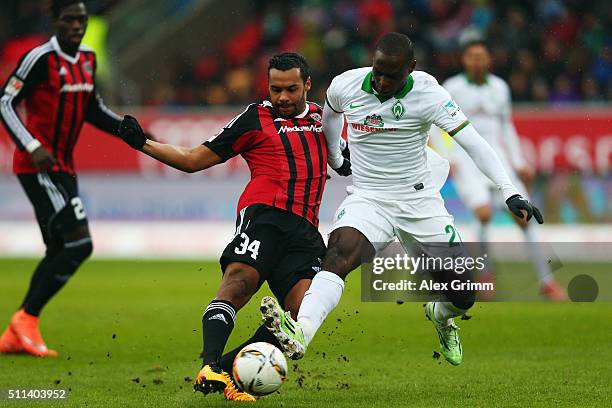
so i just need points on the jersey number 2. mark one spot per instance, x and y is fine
(248, 245)
(77, 205)
(449, 229)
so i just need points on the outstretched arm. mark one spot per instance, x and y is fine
(185, 159)
(485, 159)
(489, 163)
(447, 115)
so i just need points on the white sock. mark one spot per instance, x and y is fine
(320, 299)
(445, 311)
(537, 255)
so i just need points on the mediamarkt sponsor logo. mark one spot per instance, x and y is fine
(371, 129)
(77, 88)
(309, 128)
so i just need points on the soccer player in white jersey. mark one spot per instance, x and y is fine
(396, 179)
(485, 99)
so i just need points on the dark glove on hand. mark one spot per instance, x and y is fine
(518, 203)
(345, 169)
(131, 132)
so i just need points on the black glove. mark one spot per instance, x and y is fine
(131, 132)
(346, 153)
(517, 203)
(345, 169)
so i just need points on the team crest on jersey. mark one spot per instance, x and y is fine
(374, 120)
(398, 110)
(452, 108)
(14, 86)
(316, 116)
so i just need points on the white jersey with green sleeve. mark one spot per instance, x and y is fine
(388, 137)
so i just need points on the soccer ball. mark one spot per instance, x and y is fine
(260, 368)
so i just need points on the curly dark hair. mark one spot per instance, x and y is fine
(289, 60)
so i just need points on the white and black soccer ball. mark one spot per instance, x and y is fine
(260, 369)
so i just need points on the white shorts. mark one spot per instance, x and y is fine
(381, 220)
(475, 189)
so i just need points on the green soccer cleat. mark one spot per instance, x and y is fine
(450, 345)
(287, 331)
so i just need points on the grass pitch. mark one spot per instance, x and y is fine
(129, 334)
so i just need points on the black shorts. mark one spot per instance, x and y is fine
(283, 247)
(56, 201)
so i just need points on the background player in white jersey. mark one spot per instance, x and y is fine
(485, 99)
(396, 179)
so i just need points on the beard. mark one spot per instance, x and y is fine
(286, 111)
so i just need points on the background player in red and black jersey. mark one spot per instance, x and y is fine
(276, 237)
(56, 82)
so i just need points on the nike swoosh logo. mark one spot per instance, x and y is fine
(353, 106)
(39, 347)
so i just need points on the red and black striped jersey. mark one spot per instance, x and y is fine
(59, 94)
(287, 158)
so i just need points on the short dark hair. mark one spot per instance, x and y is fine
(288, 60)
(397, 45)
(58, 5)
(475, 42)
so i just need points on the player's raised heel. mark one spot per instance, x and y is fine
(287, 331)
(9, 343)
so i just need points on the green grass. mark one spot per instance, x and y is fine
(118, 321)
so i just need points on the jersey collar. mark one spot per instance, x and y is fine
(366, 86)
(58, 49)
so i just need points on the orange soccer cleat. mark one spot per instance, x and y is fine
(212, 379)
(25, 328)
(553, 291)
(9, 343)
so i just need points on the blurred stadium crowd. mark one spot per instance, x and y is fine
(557, 51)
(552, 52)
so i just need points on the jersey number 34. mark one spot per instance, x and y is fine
(247, 245)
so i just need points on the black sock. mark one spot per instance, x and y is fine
(56, 272)
(217, 325)
(262, 334)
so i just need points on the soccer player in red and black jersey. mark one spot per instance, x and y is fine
(56, 82)
(276, 237)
